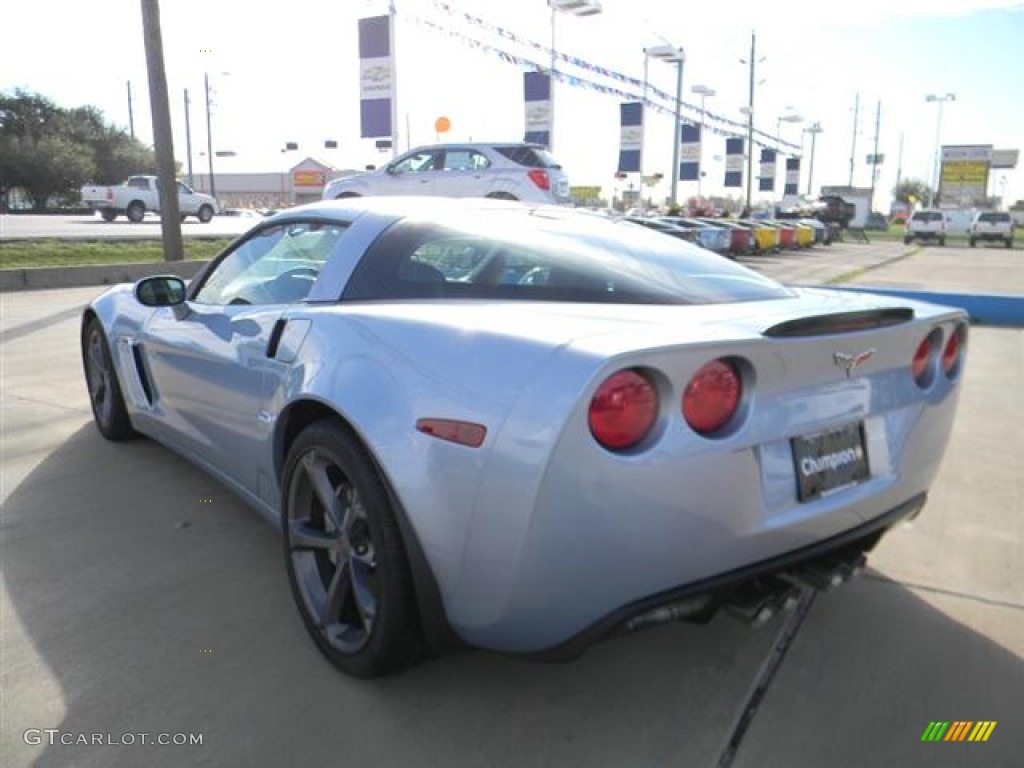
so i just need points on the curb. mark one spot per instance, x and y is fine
(984, 309)
(39, 278)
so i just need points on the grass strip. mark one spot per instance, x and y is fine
(27, 254)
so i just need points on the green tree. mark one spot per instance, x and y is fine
(49, 150)
(911, 191)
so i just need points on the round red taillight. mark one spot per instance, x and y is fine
(951, 352)
(623, 410)
(712, 396)
(919, 366)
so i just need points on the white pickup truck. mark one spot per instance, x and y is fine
(992, 225)
(139, 194)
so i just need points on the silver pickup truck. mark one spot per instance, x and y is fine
(139, 194)
(992, 225)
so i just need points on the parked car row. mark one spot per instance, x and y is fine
(740, 237)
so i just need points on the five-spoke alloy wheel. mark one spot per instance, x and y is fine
(344, 554)
(108, 408)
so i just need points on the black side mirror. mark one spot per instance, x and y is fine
(160, 291)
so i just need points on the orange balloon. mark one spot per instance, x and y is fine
(442, 124)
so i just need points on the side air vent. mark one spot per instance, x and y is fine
(842, 322)
(140, 368)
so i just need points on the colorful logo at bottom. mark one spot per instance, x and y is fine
(959, 730)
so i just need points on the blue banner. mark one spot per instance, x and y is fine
(376, 77)
(792, 176)
(766, 183)
(734, 162)
(631, 137)
(689, 152)
(537, 95)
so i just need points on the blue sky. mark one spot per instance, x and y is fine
(293, 75)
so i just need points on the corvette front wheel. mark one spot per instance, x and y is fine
(344, 555)
(108, 408)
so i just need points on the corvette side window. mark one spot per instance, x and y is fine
(277, 265)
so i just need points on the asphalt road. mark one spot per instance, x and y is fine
(32, 227)
(139, 596)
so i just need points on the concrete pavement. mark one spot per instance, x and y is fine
(140, 596)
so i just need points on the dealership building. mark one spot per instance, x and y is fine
(303, 183)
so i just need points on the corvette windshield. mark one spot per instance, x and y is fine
(548, 256)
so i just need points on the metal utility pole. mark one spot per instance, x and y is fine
(209, 135)
(899, 162)
(188, 140)
(131, 114)
(814, 129)
(394, 78)
(853, 147)
(675, 127)
(874, 157)
(750, 122)
(163, 138)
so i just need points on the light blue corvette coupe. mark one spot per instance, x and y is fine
(525, 429)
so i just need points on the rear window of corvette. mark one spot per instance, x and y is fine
(517, 256)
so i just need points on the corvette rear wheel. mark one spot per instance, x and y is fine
(344, 555)
(105, 395)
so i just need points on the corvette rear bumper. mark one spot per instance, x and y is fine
(700, 600)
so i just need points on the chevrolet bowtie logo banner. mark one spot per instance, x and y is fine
(959, 730)
(631, 137)
(792, 176)
(766, 183)
(537, 90)
(734, 162)
(689, 152)
(376, 77)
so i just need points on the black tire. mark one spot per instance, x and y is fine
(907, 240)
(108, 214)
(501, 196)
(973, 242)
(372, 628)
(136, 211)
(942, 242)
(1009, 242)
(108, 409)
(205, 213)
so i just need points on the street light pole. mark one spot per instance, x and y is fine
(209, 134)
(814, 130)
(675, 127)
(576, 8)
(704, 93)
(188, 139)
(937, 166)
(750, 123)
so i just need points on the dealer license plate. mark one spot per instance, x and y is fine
(829, 460)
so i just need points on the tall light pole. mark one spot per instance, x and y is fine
(673, 55)
(814, 129)
(209, 132)
(749, 110)
(131, 113)
(704, 92)
(188, 139)
(937, 166)
(576, 8)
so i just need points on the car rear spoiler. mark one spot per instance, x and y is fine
(841, 322)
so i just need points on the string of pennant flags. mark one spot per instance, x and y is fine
(713, 122)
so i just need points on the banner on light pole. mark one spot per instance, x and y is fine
(537, 93)
(733, 162)
(792, 176)
(689, 152)
(766, 182)
(376, 77)
(631, 137)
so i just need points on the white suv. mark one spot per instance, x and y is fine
(992, 225)
(509, 171)
(927, 224)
